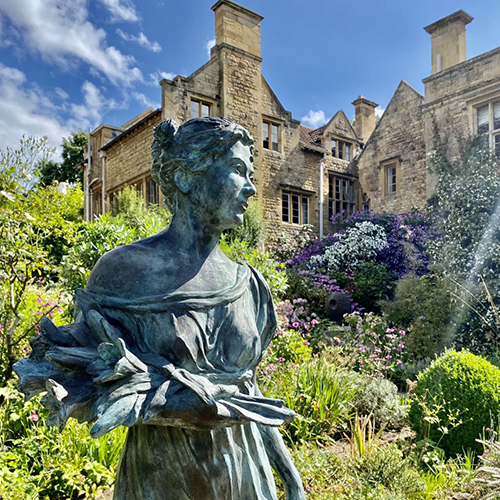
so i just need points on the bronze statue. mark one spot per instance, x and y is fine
(169, 336)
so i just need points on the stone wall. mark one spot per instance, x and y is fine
(129, 159)
(398, 137)
(451, 98)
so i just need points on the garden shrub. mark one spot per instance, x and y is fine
(253, 229)
(423, 307)
(454, 400)
(37, 462)
(379, 397)
(320, 393)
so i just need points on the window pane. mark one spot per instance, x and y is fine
(205, 110)
(337, 189)
(341, 150)
(305, 210)
(496, 116)
(347, 152)
(351, 191)
(195, 109)
(334, 148)
(391, 180)
(330, 209)
(483, 119)
(295, 209)
(497, 145)
(265, 135)
(274, 131)
(285, 207)
(330, 186)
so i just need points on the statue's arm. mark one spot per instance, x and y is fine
(281, 462)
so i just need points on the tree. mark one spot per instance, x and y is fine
(35, 224)
(68, 170)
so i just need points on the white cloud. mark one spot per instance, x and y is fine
(379, 111)
(26, 110)
(140, 39)
(61, 94)
(145, 101)
(60, 32)
(154, 78)
(121, 10)
(209, 45)
(314, 119)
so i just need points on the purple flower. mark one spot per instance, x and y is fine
(34, 417)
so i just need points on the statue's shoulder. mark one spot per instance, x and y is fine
(122, 271)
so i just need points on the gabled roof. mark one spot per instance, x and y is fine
(402, 87)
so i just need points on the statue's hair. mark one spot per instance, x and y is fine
(192, 148)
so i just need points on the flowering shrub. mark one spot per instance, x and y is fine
(373, 347)
(286, 245)
(362, 242)
(407, 239)
(297, 316)
(365, 256)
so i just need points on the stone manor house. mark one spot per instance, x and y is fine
(304, 175)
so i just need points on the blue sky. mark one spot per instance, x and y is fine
(68, 65)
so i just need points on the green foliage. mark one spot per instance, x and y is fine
(321, 394)
(38, 463)
(370, 283)
(36, 226)
(423, 307)
(454, 399)
(253, 230)
(72, 157)
(130, 206)
(379, 397)
(272, 271)
(382, 474)
(288, 345)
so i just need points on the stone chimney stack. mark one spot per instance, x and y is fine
(448, 40)
(364, 117)
(237, 26)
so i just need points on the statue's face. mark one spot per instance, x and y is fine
(224, 189)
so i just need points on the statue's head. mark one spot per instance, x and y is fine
(183, 155)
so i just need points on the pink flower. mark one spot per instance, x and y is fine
(34, 417)
(314, 322)
(281, 359)
(39, 300)
(295, 324)
(401, 346)
(399, 362)
(402, 333)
